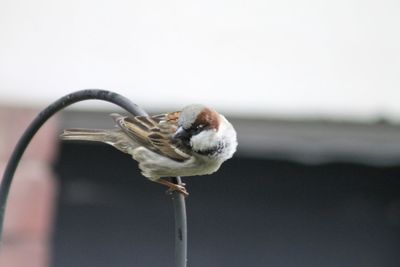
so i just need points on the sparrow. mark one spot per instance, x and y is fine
(193, 141)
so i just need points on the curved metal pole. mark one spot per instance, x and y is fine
(42, 117)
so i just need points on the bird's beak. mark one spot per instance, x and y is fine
(180, 134)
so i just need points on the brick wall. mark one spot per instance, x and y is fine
(29, 212)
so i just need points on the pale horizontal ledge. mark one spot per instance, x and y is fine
(308, 141)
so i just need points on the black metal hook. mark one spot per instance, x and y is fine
(43, 116)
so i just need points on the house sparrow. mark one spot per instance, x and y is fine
(194, 141)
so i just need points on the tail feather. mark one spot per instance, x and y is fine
(85, 134)
(112, 137)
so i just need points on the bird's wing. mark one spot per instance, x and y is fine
(153, 132)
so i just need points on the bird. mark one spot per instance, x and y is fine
(193, 141)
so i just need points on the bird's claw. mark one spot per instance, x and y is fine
(179, 188)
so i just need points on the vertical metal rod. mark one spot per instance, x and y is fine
(180, 226)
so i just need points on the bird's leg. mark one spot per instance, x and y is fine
(173, 187)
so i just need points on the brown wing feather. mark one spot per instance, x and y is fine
(153, 132)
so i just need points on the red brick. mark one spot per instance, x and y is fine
(24, 254)
(14, 121)
(30, 204)
(29, 211)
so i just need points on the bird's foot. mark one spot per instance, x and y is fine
(179, 188)
(174, 187)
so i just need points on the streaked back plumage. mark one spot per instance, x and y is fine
(152, 132)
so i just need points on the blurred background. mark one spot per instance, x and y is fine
(312, 87)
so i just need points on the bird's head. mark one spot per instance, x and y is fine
(198, 128)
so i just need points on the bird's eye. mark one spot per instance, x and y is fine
(196, 129)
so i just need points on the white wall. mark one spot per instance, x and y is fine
(292, 58)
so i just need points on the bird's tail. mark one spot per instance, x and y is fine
(86, 135)
(112, 137)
